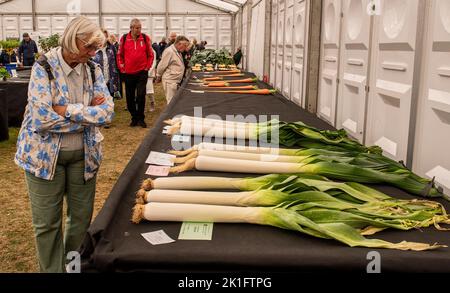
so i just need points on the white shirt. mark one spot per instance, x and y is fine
(75, 83)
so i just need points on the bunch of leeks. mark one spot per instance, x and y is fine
(309, 204)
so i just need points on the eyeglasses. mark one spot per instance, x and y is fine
(89, 47)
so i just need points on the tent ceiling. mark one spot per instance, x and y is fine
(231, 6)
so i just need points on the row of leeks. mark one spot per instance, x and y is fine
(324, 152)
(309, 204)
(273, 131)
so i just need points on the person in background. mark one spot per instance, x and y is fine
(162, 46)
(172, 38)
(6, 59)
(106, 58)
(171, 67)
(201, 46)
(155, 48)
(237, 56)
(187, 54)
(58, 145)
(149, 88)
(113, 41)
(27, 51)
(194, 44)
(135, 58)
(193, 47)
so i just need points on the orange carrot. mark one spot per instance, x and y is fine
(244, 87)
(212, 78)
(246, 80)
(231, 75)
(226, 71)
(217, 84)
(253, 92)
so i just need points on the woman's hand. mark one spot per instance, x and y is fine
(98, 100)
(60, 110)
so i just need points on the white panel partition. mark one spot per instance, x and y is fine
(10, 27)
(273, 43)
(431, 153)
(329, 64)
(1, 28)
(355, 45)
(288, 48)
(391, 85)
(192, 27)
(59, 24)
(111, 24)
(208, 28)
(298, 51)
(176, 24)
(44, 25)
(224, 31)
(256, 52)
(280, 45)
(159, 28)
(25, 25)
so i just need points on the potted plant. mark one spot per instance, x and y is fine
(48, 43)
(9, 46)
(4, 74)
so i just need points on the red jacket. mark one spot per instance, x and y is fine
(136, 58)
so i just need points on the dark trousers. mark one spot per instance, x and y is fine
(135, 91)
(28, 61)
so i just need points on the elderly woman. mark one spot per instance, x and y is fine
(59, 142)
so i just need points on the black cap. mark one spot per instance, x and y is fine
(25, 35)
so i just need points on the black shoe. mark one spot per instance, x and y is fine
(142, 124)
(133, 123)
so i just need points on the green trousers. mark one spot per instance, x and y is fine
(46, 199)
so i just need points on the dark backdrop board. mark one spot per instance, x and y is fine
(3, 116)
(16, 93)
(114, 243)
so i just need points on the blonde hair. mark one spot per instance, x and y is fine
(81, 27)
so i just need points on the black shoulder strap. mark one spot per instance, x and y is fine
(122, 52)
(42, 60)
(92, 68)
(146, 43)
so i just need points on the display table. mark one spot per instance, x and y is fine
(114, 243)
(4, 135)
(16, 94)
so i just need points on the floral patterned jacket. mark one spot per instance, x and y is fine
(39, 138)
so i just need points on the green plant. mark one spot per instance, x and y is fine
(210, 56)
(9, 46)
(48, 43)
(4, 73)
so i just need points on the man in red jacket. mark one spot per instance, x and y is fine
(135, 58)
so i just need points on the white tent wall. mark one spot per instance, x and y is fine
(354, 68)
(396, 54)
(384, 78)
(24, 6)
(276, 48)
(329, 56)
(257, 39)
(432, 140)
(184, 17)
(244, 39)
(63, 7)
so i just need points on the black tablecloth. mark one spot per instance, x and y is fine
(16, 93)
(113, 243)
(3, 116)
